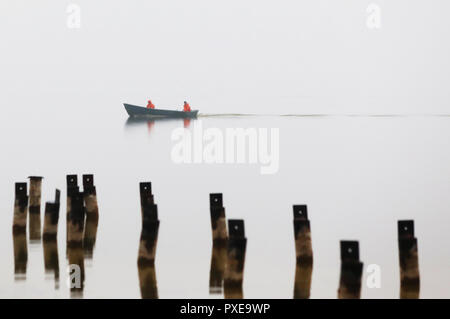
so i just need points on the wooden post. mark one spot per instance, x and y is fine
(35, 208)
(90, 201)
(75, 253)
(148, 243)
(218, 221)
(304, 254)
(147, 199)
(234, 270)
(72, 190)
(351, 271)
(76, 220)
(219, 248)
(149, 235)
(409, 260)
(51, 218)
(19, 231)
(50, 233)
(20, 209)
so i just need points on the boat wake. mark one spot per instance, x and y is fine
(321, 115)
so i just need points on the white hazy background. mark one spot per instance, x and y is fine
(61, 91)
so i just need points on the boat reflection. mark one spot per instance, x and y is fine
(150, 123)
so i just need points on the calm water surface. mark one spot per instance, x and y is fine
(358, 175)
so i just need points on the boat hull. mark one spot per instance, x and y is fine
(139, 111)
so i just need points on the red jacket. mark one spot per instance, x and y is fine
(150, 105)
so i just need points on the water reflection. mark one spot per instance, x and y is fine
(50, 234)
(20, 255)
(217, 270)
(75, 251)
(150, 123)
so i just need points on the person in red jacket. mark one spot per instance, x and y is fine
(187, 107)
(150, 105)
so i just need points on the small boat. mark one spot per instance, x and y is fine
(140, 111)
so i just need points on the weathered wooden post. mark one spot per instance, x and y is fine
(218, 223)
(219, 248)
(75, 253)
(351, 271)
(35, 208)
(20, 209)
(409, 260)
(148, 243)
(90, 201)
(72, 189)
(76, 220)
(51, 218)
(50, 233)
(304, 254)
(147, 198)
(19, 231)
(149, 235)
(236, 248)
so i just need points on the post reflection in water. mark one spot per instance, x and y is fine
(148, 243)
(50, 234)
(20, 255)
(75, 252)
(20, 231)
(218, 264)
(304, 253)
